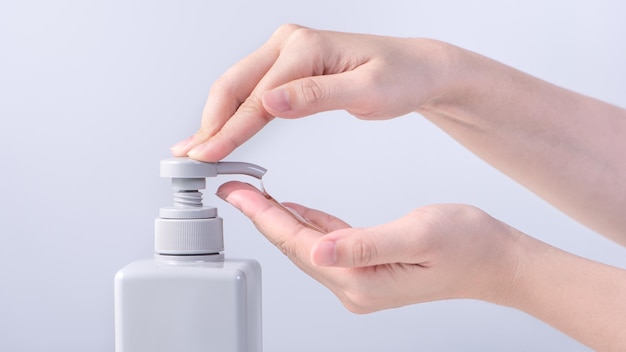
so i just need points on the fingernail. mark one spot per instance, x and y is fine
(181, 145)
(325, 253)
(221, 194)
(199, 150)
(276, 100)
(225, 196)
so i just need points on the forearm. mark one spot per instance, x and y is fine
(582, 298)
(567, 148)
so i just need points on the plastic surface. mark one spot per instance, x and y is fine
(188, 168)
(189, 298)
(189, 236)
(189, 304)
(188, 227)
(187, 213)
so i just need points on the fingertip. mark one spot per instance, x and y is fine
(196, 147)
(180, 148)
(198, 151)
(324, 253)
(276, 101)
(205, 152)
(237, 193)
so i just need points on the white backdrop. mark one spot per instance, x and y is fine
(93, 93)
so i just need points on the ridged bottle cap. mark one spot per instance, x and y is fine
(188, 236)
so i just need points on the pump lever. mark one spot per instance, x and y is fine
(183, 167)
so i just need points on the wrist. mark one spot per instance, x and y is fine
(470, 89)
(437, 78)
(501, 274)
(491, 261)
(580, 297)
(454, 73)
(512, 281)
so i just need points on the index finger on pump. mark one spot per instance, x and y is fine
(230, 91)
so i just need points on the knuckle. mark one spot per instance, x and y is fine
(222, 86)
(204, 132)
(363, 252)
(253, 106)
(224, 90)
(285, 30)
(305, 41)
(305, 35)
(285, 247)
(311, 91)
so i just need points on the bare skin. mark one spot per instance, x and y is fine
(565, 147)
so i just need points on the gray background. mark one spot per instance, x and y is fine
(93, 93)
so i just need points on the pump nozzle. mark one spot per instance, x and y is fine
(181, 167)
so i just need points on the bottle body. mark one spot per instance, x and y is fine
(188, 303)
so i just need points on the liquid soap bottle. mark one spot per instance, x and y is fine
(190, 297)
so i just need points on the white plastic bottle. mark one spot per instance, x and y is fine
(190, 298)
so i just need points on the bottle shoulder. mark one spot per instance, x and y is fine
(229, 267)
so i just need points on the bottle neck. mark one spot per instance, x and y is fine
(189, 259)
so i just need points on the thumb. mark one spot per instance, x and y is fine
(310, 95)
(356, 247)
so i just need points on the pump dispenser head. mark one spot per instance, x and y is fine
(188, 227)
